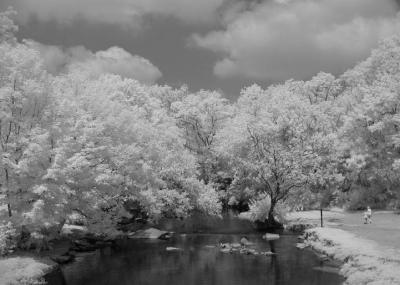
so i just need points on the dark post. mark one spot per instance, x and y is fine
(322, 222)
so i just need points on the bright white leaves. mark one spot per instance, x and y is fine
(77, 143)
(280, 140)
(7, 26)
(202, 116)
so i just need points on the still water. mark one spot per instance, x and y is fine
(143, 262)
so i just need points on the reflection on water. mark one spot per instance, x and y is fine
(142, 262)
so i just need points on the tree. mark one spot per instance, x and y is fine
(201, 116)
(273, 143)
(322, 87)
(370, 131)
(7, 27)
(24, 101)
(119, 143)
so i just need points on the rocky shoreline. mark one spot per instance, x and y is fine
(363, 262)
(77, 241)
(31, 266)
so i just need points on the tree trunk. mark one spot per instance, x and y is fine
(8, 194)
(270, 223)
(9, 209)
(271, 218)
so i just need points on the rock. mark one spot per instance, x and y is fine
(268, 253)
(235, 245)
(244, 251)
(151, 233)
(244, 241)
(62, 259)
(269, 236)
(225, 250)
(171, 248)
(83, 245)
(301, 245)
(73, 230)
(252, 251)
(166, 236)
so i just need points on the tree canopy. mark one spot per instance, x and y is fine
(72, 143)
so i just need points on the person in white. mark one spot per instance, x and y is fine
(368, 216)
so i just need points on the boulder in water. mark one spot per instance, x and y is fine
(151, 233)
(245, 251)
(224, 245)
(226, 250)
(268, 253)
(74, 230)
(244, 241)
(301, 245)
(269, 236)
(171, 248)
(62, 259)
(252, 251)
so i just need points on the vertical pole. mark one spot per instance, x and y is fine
(8, 194)
(322, 222)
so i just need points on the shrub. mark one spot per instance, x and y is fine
(167, 203)
(259, 208)
(8, 238)
(360, 197)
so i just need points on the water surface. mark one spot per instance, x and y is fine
(144, 262)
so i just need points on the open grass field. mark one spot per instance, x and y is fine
(384, 229)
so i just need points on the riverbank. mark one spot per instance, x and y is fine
(198, 258)
(351, 250)
(365, 262)
(20, 270)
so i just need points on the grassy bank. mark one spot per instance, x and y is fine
(365, 262)
(23, 270)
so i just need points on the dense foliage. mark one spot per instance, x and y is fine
(78, 144)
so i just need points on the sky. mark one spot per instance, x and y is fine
(223, 45)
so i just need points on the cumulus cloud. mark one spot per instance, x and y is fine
(121, 12)
(114, 60)
(281, 39)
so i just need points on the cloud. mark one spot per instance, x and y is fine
(121, 12)
(114, 60)
(281, 39)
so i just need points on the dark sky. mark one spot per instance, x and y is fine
(164, 44)
(221, 44)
